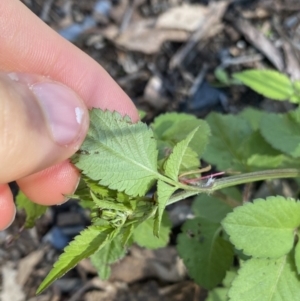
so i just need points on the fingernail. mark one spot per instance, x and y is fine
(73, 192)
(13, 219)
(64, 111)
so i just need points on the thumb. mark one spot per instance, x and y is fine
(42, 122)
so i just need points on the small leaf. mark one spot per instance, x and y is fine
(222, 76)
(190, 161)
(269, 83)
(108, 204)
(83, 195)
(143, 235)
(164, 192)
(225, 148)
(118, 154)
(110, 253)
(266, 280)
(176, 158)
(282, 132)
(206, 255)
(297, 256)
(142, 114)
(84, 245)
(264, 228)
(33, 211)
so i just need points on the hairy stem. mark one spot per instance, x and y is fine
(237, 180)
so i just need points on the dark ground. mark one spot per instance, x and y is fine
(166, 55)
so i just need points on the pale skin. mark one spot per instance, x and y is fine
(30, 54)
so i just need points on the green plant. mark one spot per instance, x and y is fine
(271, 84)
(121, 162)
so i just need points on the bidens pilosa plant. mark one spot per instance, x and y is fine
(131, 172)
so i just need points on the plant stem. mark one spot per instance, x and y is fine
(237, 180)
(256, 176)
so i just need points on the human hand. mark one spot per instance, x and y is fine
(46, 86)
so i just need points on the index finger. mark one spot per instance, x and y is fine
(29, 45)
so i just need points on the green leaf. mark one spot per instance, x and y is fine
(176, 158)
(126, 235)
(206, 255)
(265, 161)
(110, 253)
(297, 256)
(295, 98)
(108, 204)
(33, 211)
(266, 280)
(230, 276)
(222, 76)
(269, 83)
(259, 154)
(84, 245)
(264, 228)
(107, 194)
(253, 116)
(218, 294)
(236, 145)
(210, 208)
(190, 161)
(142, 114)
(171, 128)
(143, 235)
(233, 193)
(221, 293)
(282, 132)
(164, 192)
(118, 154)
(296, 84)
(225, 148)
(255, 144)
(83, 195)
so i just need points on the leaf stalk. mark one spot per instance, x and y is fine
(236, 180)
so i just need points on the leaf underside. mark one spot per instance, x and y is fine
(111, 252)
(119, 154)
(164, 192)
(83, 246)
